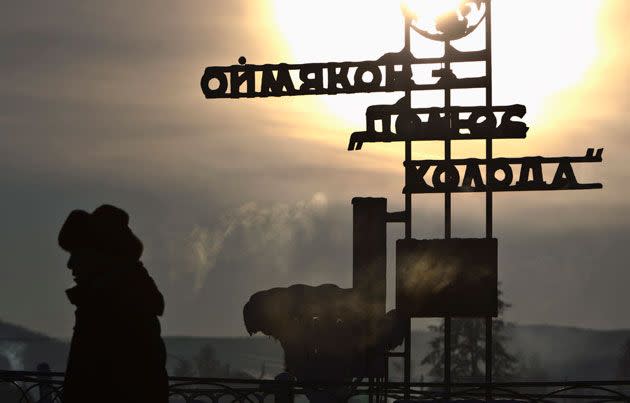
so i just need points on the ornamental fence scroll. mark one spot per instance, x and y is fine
(38, 387)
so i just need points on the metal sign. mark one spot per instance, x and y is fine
(446, 277)
(502, 174)
(391, 72)
(458, 123)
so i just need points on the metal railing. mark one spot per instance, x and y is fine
(41, 387)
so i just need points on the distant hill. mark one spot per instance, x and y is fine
(569, 352)
(549, 352)
(23, 349)
(11, 331)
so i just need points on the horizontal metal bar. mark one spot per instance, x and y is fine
(516, 188)
(398, 216)
(393, 58)
(565, 383)
(397, 108)
(590, 156)
(358, 138)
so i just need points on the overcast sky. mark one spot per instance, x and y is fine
(100, 103)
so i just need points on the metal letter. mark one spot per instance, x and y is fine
(564, 177)
(214, 73)
(508, 126)
(337, 80)
(315, 82)
(416, 175)
(361, 84)
(238, 78)
(488, 125)
(277, 86)
(472, 177)
(535, 166)
(494, 167)
(451, 176)
(408, 123)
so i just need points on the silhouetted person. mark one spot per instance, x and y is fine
(116, 354)
(47, 393)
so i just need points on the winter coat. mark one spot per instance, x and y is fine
(117, 354)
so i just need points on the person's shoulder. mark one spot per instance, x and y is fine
(144, 285)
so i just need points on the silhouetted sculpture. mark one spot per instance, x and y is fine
(330, 333)
(327, 333)
(116, 354)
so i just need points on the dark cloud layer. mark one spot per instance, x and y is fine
(99, 102)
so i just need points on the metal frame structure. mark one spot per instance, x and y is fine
(248, 81)
(448, 201)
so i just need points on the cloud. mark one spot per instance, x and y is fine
(101, 103)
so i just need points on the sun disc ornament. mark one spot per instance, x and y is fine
(445, 20)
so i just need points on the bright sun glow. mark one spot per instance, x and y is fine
(540, 47)
(430, 9)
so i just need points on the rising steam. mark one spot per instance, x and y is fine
(268, 231)
(13, 352)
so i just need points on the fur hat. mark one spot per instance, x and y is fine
(105, 230)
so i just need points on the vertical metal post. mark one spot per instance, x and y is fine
(407, 358)
(489, 104)
(284, 392)
(369, 251)
(447, 356)
(408, 361)
(489, 357)
(489, 229)
(447, 144)
(408, 142)
(386, 375)
(447, 225)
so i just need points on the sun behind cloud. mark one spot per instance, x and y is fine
(540, 48)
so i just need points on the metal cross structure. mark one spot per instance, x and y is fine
(472, 292)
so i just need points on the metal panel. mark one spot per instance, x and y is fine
(446, 277)
(369, 257)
